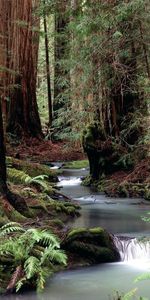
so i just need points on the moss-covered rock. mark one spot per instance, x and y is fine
(77, 164)
(32, 169)
(94, 245)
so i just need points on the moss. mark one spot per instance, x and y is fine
(75, 232)
(93, 253)
(78, 164)
(16, 216)
(87, 181)
(147, 192)
(3, 220)
(56, 222)
(32, 169)
(17, 176)
(8, 213)
(96, 230)
(94, 244)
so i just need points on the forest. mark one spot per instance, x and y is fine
(74, 149)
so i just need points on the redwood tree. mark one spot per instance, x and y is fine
(20, 52)
(61, 80)
(3, 185)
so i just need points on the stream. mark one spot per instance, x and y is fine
(121, 217)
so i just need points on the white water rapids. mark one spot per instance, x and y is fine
(134, 252)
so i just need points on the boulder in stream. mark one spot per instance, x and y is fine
(91, 246)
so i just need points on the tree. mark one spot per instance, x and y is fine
(19, 66)
(61, 73)
(48, 69)
(3, 185)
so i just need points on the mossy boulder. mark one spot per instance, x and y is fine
(32, 169)
(94, 245)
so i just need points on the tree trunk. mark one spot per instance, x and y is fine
(61, 80)
(48, 71)
(3, 185)
(21, 51)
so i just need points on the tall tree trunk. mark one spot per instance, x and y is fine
(48, 71)
(3, 185)
(21, 54)
(61, 74)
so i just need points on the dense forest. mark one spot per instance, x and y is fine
(74, 89)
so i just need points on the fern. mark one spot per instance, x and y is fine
(129, 295)
(144, 276)
(31, 266)
(10, 228)
(20, 283)
(37, 180)
(54, 255)
(22, 250)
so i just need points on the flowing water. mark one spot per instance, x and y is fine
(122, 218)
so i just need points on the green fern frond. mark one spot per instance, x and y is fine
(54, 255)
(48, 238)
(41, 281)
(31, 266)
(20, 283)
(130, 294)
(18, 176)
(34, 233)
(11, 227)
(40, 177)
(144, 276)
(44, 237)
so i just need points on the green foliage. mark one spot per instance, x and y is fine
(17, 177)
(37, 251)
(79, 164)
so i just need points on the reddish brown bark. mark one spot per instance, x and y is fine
(20, 52)
(3, 185)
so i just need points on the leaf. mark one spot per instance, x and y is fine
(144, 276)
(10, 227)
(129, 295)
(31, 266)
(54, 255)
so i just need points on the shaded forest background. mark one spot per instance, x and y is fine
(74, 83)
(68, 65)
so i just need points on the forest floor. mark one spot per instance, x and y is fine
(124, 183)
(44, 151)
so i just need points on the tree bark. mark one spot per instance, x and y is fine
(61, 74)
(3, 185)
(20, 66)
(48, 71)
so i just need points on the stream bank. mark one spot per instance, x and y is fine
(123, 218)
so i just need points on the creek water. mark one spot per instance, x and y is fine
(122, 218)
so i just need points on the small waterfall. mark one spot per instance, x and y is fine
(132, 249)
(69, 181)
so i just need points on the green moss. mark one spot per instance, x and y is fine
(56, 222)
(96, 230)
(87, 181)
(94, 244)
(75, 232)
(14, 215)
(93, 252)
(32, 169)
(78, 164)
(3, 220)
(17, 176)
(147, 192)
